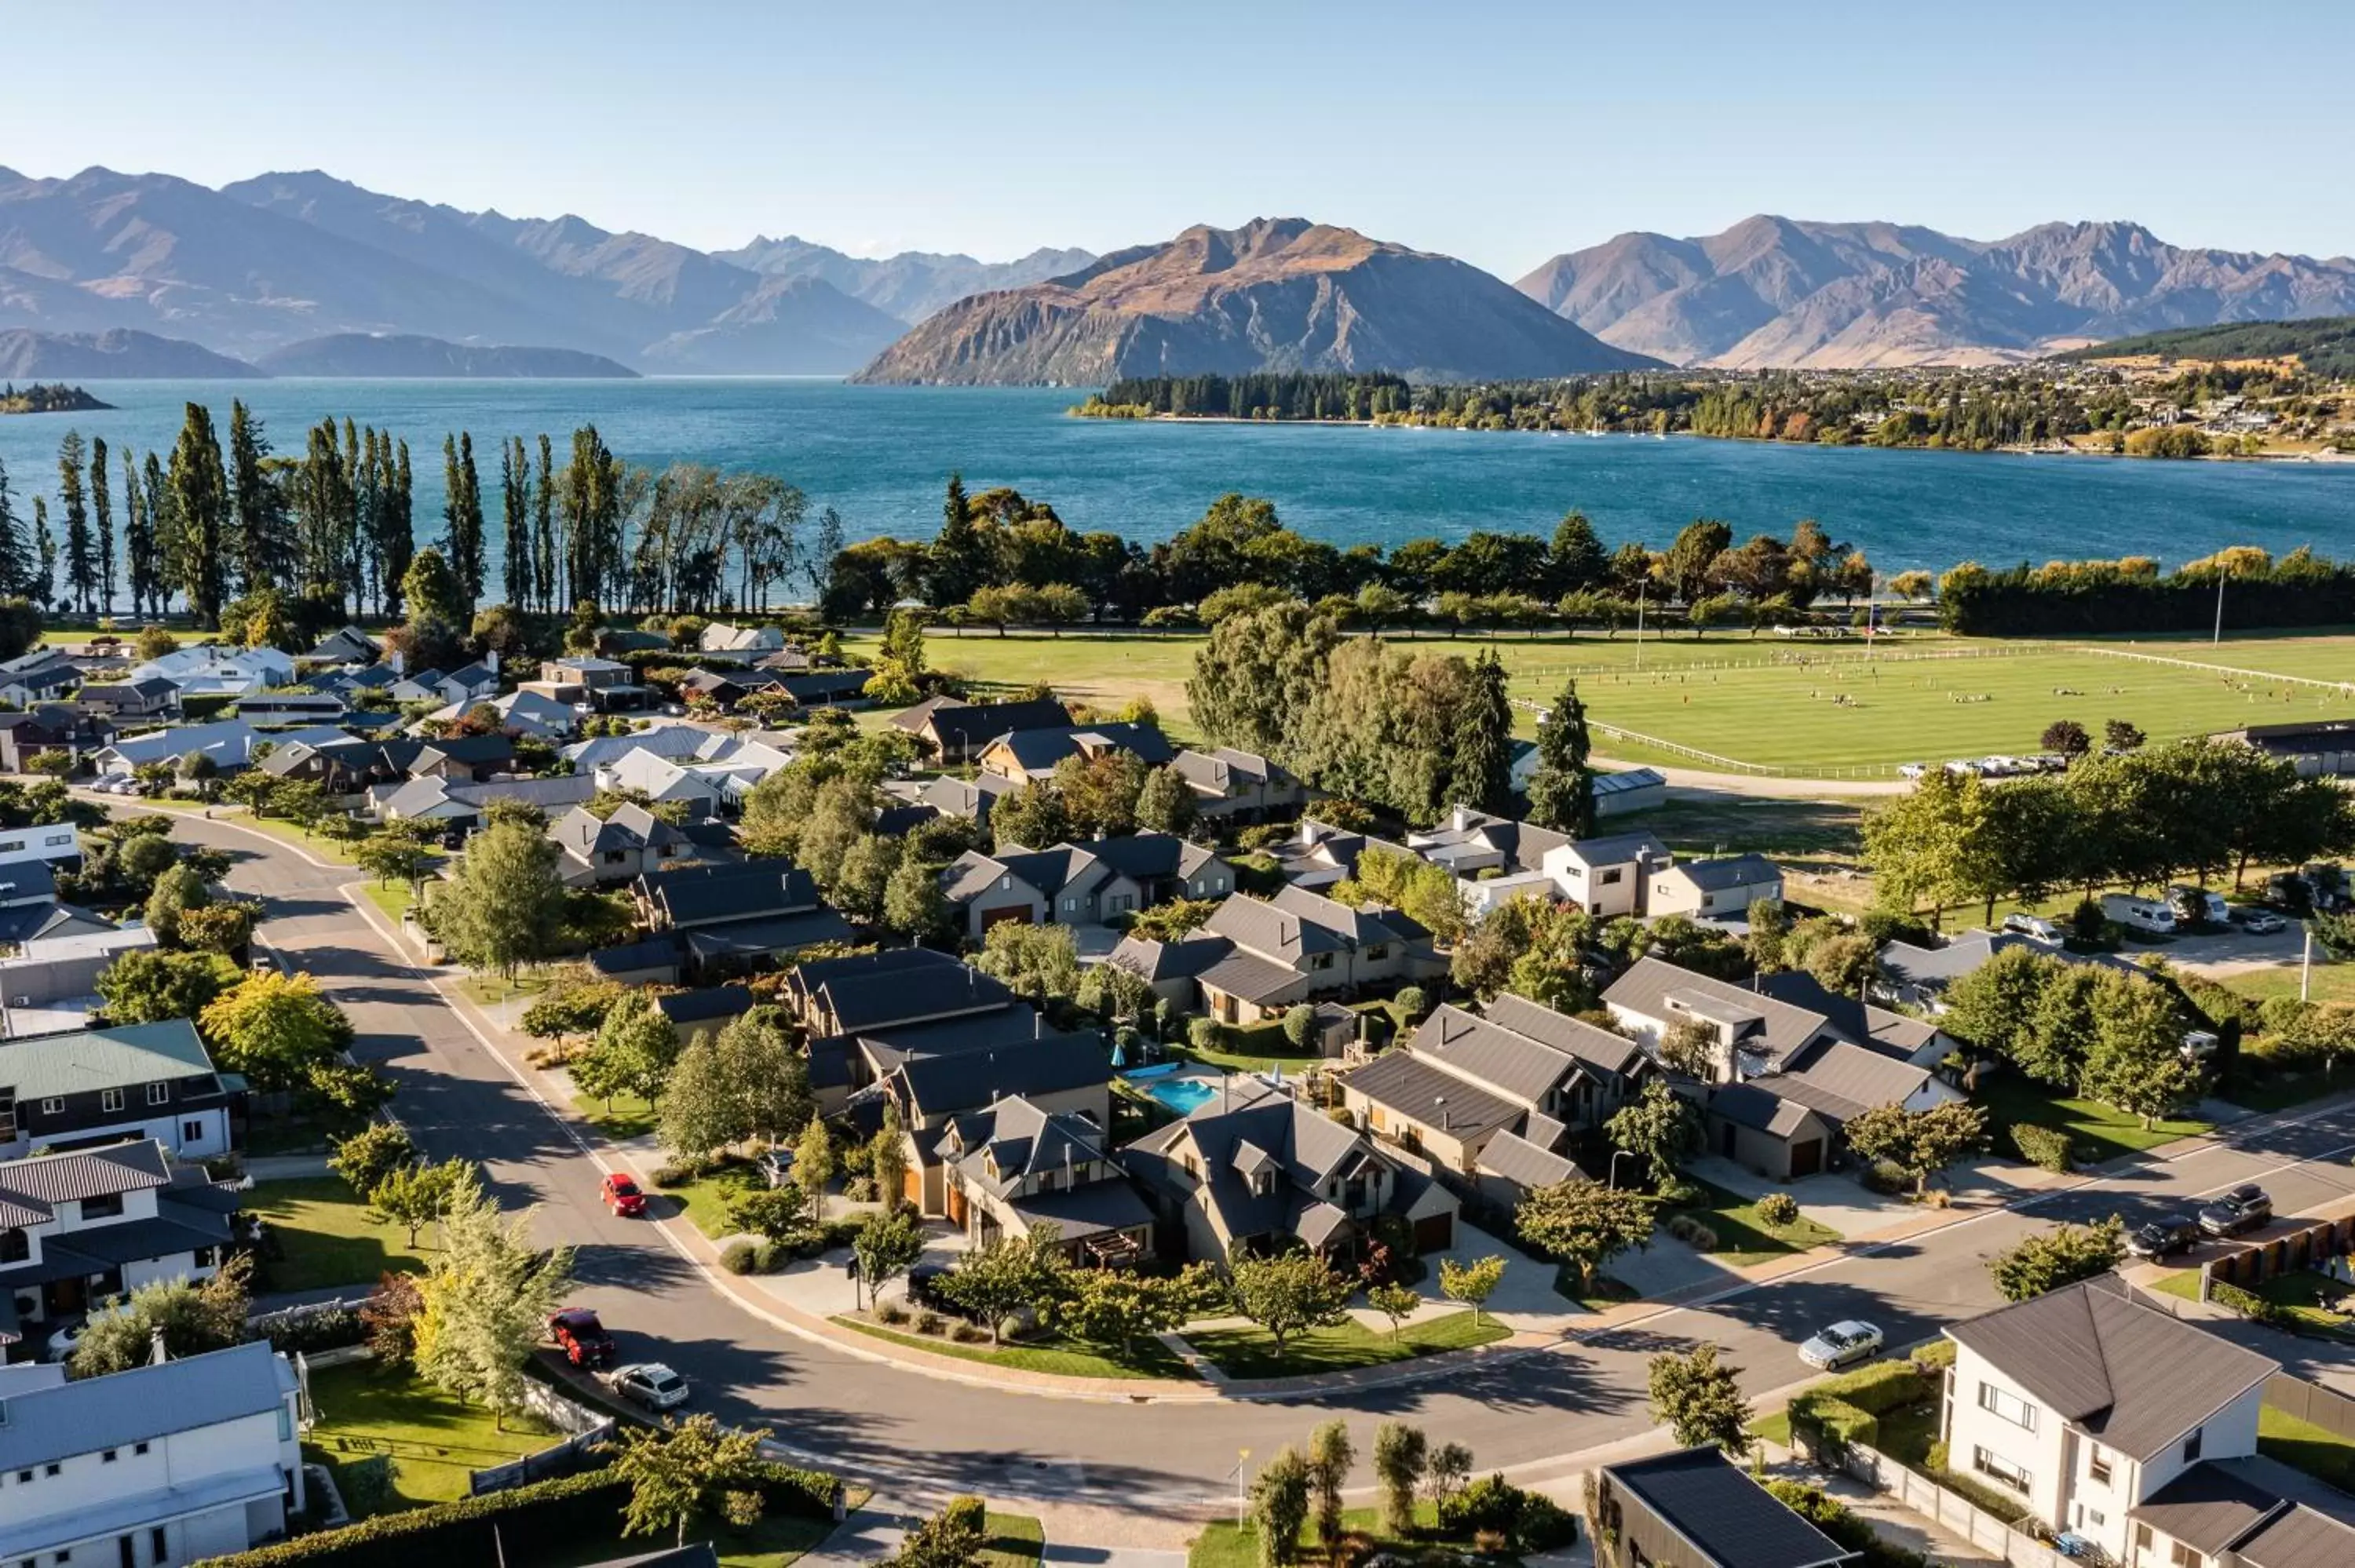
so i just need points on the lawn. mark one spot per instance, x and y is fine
(2330, 981)
(2097, 1131)
(1763, 700)
(705, 1200)
(1064, 1358)
(1250, 1048)
(493, 992)
(628, 1116)
(1251, 1353)
(326, 1236)
(319, 844)
(1225, 1544)
(393, 898)
(1788, 831)
(775, 1540)
(1743, 1236)
(1016, 1541)
(2316, 1450)
(2300, 1294)
(434, 1439)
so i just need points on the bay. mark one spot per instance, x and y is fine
(880, 456)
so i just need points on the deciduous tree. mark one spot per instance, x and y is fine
(1288, 1294)
(1700, 1399)
(676, 1471)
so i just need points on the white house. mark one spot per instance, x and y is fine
(2128, 1426)
(56, 844)
(134, 1080)
(77, 1229)
(152, 1467)
(1605, 875)
(212, 669)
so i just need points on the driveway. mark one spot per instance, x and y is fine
(1840, 1201)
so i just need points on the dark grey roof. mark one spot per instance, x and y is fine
(1656, 990)
(1181, 960)
(861, 1000)
(742, 890)
(1021, 1139)
(142, 1405)
(1405, 1083)
(1595, 1046)
(1844, 1081)
(1058, 1063)
(2298, 1537)
(1003, 1024)
(1751, 1105)
(1510, 1063)
(1932, 968)
(1310, 1144)
(1618, 849)
(475, 750)
(1515, 1158)
(2136, 1378)
(702, 1006)
(1874, 1028)
(961, 726)
(1089, 1209)
(1730, 871)
(1035, 749)
(1253, 978)
(1730, 1519)
(2218, 1501)
(764, 938)
(824, 685)
(631, 957)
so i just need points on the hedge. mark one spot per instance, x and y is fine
(1845, 1410)
(2043, 1146)
(560, 1511)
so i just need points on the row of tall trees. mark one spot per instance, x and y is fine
(2069, 597)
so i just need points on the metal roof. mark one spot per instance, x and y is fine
(1730, 1519)
(50, 1066)
(1402, 1082)
(142, 1405)
(1516, 1159)
(2218, 1501)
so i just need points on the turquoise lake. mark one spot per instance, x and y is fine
(880, 454)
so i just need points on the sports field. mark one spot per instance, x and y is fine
(1807, 710)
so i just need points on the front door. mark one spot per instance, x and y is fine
(1726, 1136)
(1807, 1158)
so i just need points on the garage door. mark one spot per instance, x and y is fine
(1807, 1158)
(1004, 913)
(1434, 1233)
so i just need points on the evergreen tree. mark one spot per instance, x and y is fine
(461, 520)
(44, 555)
(544, 555)
(960, 556)
(1562, 791)
(1578, 560)
(1481, 769)
(101, 522)
(15, 561)
(81, 556)
(199, 492)
(264, 551)
(400, 531)
(514, 522)
(141, 548)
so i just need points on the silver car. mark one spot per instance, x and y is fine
(1842, 1344)
(650, 1385)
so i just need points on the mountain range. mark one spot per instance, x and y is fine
(1275, 294)
(1775, 291)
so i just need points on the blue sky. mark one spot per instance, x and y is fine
(1502, 133)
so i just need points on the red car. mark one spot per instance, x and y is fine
(582, 1339)
(624, 1197)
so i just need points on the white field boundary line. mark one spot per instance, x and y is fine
(2346, 688)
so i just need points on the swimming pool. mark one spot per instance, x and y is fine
(1183, 1096)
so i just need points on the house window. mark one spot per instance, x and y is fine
(190, 1131)
(285, 1425)
(102, 1206)
(2011, 1406)
(1611, 878)
(2098, 1464)
(2191, 1446)
(1070, 904)
(1997, 1469)
(16, 1246)
(53, 1106)
(139, 1448)
(1320, 960)
(159, 1094)
(110, 1099)
(2183, 1556)
(106, 1455)
(1378, 952)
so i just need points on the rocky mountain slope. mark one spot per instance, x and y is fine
(914, 284)
(115, 354)
(1275, 294)
(399, 355)
(1776, 291)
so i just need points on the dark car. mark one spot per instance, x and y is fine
(582, 1339)
(2244, 1208)
(2164, 1238)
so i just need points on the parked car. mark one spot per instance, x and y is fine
(2257, 922)
(1842, 1344)
(2034, 927)
(2244, 1208)
(649, 1385)
(581, 1338)
(2164, 1238)
(2148, 915)
(2197, 905)
(65, 1342)
(623, 1196)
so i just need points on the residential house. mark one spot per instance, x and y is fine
(55, 845)
(1233, 786)
(1899, 1035)
(1081, 885)
(1913, 976)
(48, 980)
(675, 742)
(747, 640)
(80, 1088)
(2320, 748)
(1299, 945)
(1606, 876)
(606, 683)
(625, 844)
(969, 799)
(949, 1076)
(1174, 969)
(424, 686)
(613, 641)
(869, 1014)
(1493, 859)
(958, 730)
(1779, 1081)
(52, 727)
(462, 808)
(1629, 790)
(292, 707)
(348, 646)
(354, 682)
(725, 692)
(228, 742)
(520, 713)
(340, 768)
(464, 759)
(666, 782)
(1720, 889)
(1014, 1165)
(127, 701)
(78, 1228)
(2116, 1422)
(154, 1467)
(1513, 1081)
(696, 1013)
(733, 916)
(42, 683)
(1320, 854)
(1254, 1171)
(209, 670)
(1026, 754)
(1697, 1509)
(826, 688)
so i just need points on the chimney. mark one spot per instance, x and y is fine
(156, 1354)
(1441, 1101)
(491, 661)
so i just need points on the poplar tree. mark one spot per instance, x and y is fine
(81, 559)
(199, 490)
(515, 521)
(44, 551)
(461, 519)
(138, 540)
(163, 554)
(263, 553)
(16, 562)
(101, 521)
(399, 530)
(544, 555)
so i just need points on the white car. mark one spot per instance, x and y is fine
(1912, 771)
(649, 1385)
(65, 1341)
(1841, 1345)
(2036, 927)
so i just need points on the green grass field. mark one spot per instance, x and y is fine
(435, 1440)
(1225, 1544)
(327, 1237)
(1251, 1353)
(1064, 1358)
(1743, 1236)
(1770, 703)
(2097, 1132)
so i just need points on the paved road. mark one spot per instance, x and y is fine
(922, 1434)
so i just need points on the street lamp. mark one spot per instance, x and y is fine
(1617, 1155)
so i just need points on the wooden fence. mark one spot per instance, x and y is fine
(2307, 1402)
(2308, 1247)
(1950, 1509)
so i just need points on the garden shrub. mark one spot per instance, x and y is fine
(928, 1323)
(1778, 1209)
(892, 1312)
(736, 1258)
(681, 1169)
(1693, 1233)
(769, 1256)
(1523, 1521)
(1887, 1177)
(2043, 1146)
(310, 1329)
(1845, 1527)
(965, 1333)
(1679, 1193)
(2249, 1305)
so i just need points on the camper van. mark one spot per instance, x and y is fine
(2146, 915)
(2197, 906)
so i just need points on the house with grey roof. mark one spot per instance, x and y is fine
(625, 844)
(1606, 876)
(731, 917)
(1014, 1166)
(970, 799)
(1494, 1096)
(79, 1229)
(2121, 1423)
(228, 742)
(348, 646)
(1722, 889)
(462, 808)
(1025, 754)
(149, 1081)
(1081, 883)
(130, 701)
(1492, 859)
(1254, 1171)
(1171, 969)
(152, 1467)
(1915, 976)
(1697, 1509)
(520, 712)
(1317, 854)
(1231, 785)
(1299, 945)
(958, 730)
(1779, 1080)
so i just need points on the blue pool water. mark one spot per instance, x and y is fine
(1183, 1094)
